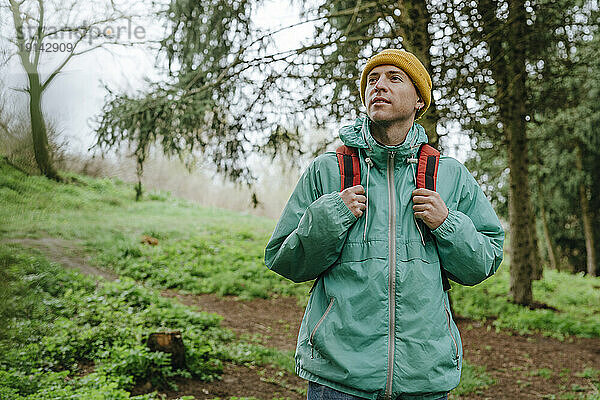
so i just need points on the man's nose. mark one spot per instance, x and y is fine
(381, 84)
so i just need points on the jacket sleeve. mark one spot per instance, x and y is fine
(471, 238)
(311, 231)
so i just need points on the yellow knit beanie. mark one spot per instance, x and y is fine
(408, 63)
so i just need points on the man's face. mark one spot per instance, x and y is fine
(390, 95)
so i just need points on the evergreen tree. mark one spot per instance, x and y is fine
(207, 106)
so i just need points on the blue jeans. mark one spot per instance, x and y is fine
(320, 392)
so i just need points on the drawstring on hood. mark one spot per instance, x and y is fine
(413, 161)
(369, 164)
(374, 154)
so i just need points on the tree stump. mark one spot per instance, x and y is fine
(171, 343)
(152, 241)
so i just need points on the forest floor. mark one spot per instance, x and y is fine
(522, 366)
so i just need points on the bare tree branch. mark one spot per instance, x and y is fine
(61, 65)
(354, 15)
(88, 25)
(103, 44)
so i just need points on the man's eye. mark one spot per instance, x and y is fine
(372, 80)
(396, 78)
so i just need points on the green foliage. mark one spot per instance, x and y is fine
(112, 321)
(159, 196)
(59, 322)
(575, 297)
(567, 148)
(245, 398)
(545, 373)
(593, 375)
(560, 54)
(472, 379)
(253, 354)
(349, 34)
(590, 373)
(218, 261)
(86, 210)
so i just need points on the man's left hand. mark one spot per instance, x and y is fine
(429, 206)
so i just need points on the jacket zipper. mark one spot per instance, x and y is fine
(392, 275)
(310, 339)
(451, 334)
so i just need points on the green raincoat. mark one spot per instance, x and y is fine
(378, 323)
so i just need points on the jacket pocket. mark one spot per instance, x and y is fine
(454, 343)
(316, 327)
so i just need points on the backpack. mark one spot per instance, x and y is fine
(428, 159)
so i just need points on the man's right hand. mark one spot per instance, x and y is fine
(354, 199)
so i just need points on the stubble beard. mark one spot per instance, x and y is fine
(391, 131)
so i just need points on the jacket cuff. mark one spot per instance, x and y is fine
(449, 226)
(345, 214)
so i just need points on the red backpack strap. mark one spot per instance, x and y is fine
(427, 167)
(349, 166)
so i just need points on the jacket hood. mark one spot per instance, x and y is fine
(359, 135)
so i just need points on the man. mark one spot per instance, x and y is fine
(378, 322)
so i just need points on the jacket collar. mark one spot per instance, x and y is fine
(359, 135)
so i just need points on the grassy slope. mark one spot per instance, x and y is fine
(225, 249)
(58, 323)
(222, 247)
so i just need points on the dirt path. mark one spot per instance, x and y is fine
(523, 366)
(69, 254)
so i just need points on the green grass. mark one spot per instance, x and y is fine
(201, 250)
(472, 379)
(576, 298)
(207, 250)
(101, 210)
(215, 261)
(545, 373)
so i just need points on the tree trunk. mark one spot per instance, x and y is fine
(519, 199)
(507, 49)
(139, 173)
(417, 19)
(520, 268)
(537, 269)
(593, 169)
(548, 240)
(38, 129)
(586, 216)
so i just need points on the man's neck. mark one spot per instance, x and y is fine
(391, 134)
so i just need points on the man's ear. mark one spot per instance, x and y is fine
(420, 104)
